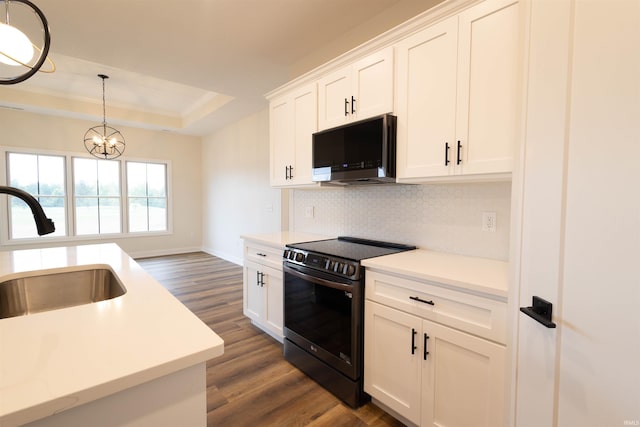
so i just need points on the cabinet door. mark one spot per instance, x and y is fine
(334, 99)
(253, 299)
(426, 101)
(305, 123)
(462, 379)
(391, 364)
(487, 104)
(363, 89)
(372, 87)
(281, 139)
(273, 311)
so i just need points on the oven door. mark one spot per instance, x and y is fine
(322, 315)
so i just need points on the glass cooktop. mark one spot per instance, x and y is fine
(352, 248)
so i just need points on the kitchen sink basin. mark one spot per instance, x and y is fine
(51, 291)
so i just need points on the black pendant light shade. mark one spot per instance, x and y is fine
(103, 141)
(18, 52)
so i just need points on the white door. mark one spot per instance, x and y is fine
(599, 378)
(273, 312)
(462, 379)
(334, 99)
(426, 96)
(392, 362)
(488, 84)
(281, 140)
(253, 295)
(581, 251)
(304, 123)
(372, 85)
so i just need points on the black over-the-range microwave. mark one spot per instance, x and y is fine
(363, 152)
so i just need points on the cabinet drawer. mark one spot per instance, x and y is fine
(265, 255)
(477, 315)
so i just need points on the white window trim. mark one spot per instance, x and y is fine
(125, 209)
(70, 200)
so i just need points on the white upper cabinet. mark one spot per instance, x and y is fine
(292, 121)
(361, 90)
(487, 105)
(427, 100)
(452, 81)
(457, 95)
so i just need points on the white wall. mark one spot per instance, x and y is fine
(35, 131)
(442, 217)
(237, 196)
(238, 200)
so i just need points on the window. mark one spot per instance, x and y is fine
(147, 196)
(44, 178)
(86, 197)
(96, 186)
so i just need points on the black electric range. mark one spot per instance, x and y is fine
(340, 256)
(324, 310)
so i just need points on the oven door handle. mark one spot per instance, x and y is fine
(317, 280)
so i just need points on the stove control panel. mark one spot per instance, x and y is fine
(338, 266)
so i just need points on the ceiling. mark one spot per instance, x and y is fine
(190, 66)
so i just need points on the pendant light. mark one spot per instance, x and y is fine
(102, 141)
(17, 50)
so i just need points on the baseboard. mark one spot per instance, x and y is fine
(225, 256)
(164, 252)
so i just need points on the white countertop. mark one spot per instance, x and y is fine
(481, 275)
(283, 238)
(55, 360)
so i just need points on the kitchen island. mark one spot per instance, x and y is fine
(138, 359)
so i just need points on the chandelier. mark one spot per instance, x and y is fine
(17, 48)
(103, 141)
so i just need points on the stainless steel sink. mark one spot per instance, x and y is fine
(35, 293)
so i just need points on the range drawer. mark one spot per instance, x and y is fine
(478, 315)
(265, 255)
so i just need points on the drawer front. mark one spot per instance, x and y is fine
(265, 255)
(477, 315)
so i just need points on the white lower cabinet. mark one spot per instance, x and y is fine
(262, 293)
(432, 374)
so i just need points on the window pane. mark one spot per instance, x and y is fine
(157, 214)
(85, 177)
(138, 214)
(147, 191)
(100, 214)
(108, 178)
(109, 215)
(44, 178)
(137, 179)
(23, 172)
(51, 175)
(156, 177)
(22, 224)
(87, 216)
(54, 209)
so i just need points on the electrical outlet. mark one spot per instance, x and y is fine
(308, 212)
(489, 221)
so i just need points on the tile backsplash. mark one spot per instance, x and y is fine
(441, 217)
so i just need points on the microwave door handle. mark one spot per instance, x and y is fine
(318, 281)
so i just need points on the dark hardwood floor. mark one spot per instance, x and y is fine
(251, 384)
